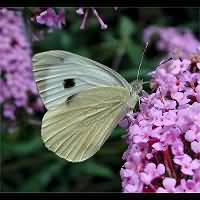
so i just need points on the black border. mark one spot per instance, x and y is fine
(94, 196)
(99, 3)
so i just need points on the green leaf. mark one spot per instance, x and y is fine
(108, 37)
(118, 146)
(59, 39)
(21, 148)
(134, 52)
(95, 169)
(117, 133)
(131, 74)
(37, 182)
(126, 27)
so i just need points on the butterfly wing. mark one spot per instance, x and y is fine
(75, 130)
(52, 68)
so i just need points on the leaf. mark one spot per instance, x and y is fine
(126, 27)
(37, 182)
(117, 133)
(94, 169)
(131, 74)
(21, 148)
(59, 39)
(118, 147)
(134, 52)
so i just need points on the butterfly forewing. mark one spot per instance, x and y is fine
(76, 129)
(53, 69)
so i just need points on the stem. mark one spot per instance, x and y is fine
(84, 20)
(169, 164)
(34, 122)
(156, 158)
(103, 25)
(9, 168)
(152, 187)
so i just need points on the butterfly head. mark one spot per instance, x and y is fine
(137, 86)
(135, 92)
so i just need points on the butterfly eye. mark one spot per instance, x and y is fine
(68, 83)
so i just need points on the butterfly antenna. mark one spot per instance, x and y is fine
(145, 82)
(165, 61)
(139, 68)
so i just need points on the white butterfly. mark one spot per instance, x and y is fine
(85, 101)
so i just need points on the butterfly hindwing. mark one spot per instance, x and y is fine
(60, 74)
(75, 130)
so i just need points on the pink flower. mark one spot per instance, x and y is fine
(163, 104)
(138, 134)
(60, 18)
(132, 188)
(177, 147)
(51, 19)
(151, 172)
(189, 186)
(170, 136)
(169, 186)
(169, 118)
(131, 177)
(127, 120)
(84, 12)
(180, 97)
(80, 11)
(47, 17)
(187, 164)
(195, 146)
(172, 39)
(9, 111)
(190, 135)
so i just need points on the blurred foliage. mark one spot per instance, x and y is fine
(26, 165)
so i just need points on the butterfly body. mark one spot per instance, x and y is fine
(133, 99)
(85, 100)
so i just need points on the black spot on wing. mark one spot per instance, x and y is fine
(68, 83)
(69, 99)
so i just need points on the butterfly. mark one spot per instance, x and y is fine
(85, 101)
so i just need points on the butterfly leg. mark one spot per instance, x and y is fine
(144, 93)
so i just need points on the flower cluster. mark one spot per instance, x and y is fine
(49, 17)
(163, 138)
(84, 12)
(17, 85)
(172, 40)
